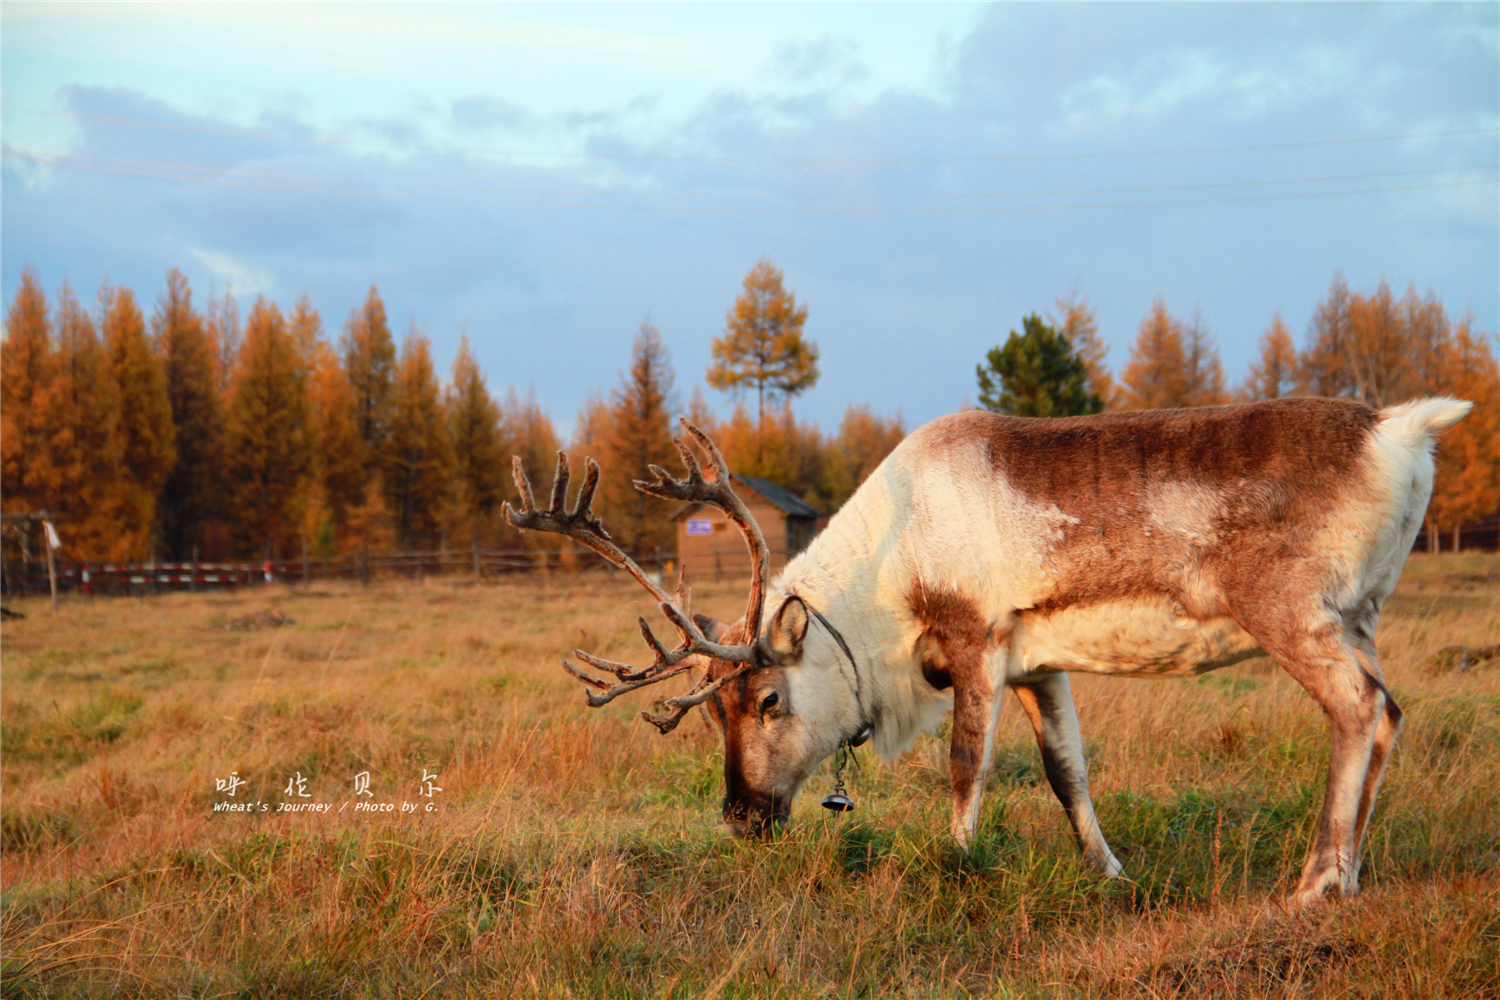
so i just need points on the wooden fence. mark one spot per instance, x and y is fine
(29, 576)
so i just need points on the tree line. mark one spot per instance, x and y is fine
(1369, 346)
(204, 434)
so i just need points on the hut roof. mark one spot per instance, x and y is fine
(775, 495)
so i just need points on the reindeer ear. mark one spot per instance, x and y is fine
(788, 629)
(712, 629)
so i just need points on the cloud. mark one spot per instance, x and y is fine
(480, 112)
(246, 280)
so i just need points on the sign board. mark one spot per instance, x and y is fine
(700, 526)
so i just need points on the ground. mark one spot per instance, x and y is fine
(537, 848)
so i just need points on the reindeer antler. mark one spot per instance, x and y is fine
(582, 525)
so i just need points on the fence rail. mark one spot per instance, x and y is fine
(77, 576)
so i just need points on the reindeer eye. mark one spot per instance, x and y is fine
(769, 702)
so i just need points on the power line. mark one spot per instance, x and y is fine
(195, 173)
(335, 184)
(473, 151)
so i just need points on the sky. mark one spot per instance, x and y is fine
(546, 178)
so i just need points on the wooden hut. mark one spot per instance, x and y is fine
(710, 546)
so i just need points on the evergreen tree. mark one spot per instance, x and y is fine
(26, 365)
(148, 440)
(1036, 374)
(269, 453)
(480, 465)
(190, 495)
(1156, 376)
(420, 464)
(763, 345)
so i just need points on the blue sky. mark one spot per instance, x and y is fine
(546, 177)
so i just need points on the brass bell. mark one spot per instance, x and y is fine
(837, 802)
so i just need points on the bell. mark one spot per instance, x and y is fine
(837, 802)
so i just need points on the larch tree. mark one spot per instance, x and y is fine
(26, 365)
(269, 453)
(1077, 321)
(527, 432)
(863, 441)
(1467, 485)
(1274, 375)
(338, 458)
(148, 439)
(419, 464)
(480, 465)
(1155, 378)
(1202, 368)
(789, 452)
(1036, 374)
(221, 321)
(370, 364)
(763, 346)
(639, 435)
(190, 495)
(1323, 370)
(86, 442)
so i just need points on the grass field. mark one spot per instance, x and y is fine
(575, 853)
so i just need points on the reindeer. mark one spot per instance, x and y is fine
(989, 552)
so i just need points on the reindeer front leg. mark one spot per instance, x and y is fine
(1049, 705)
(976, 710)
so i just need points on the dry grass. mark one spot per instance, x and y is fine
(574, 853)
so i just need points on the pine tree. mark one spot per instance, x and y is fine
(1036, 374)
(763, 345)
(26, 367)
(639, 435)
(85, 440)
(370, 363)
(480, 464)
(190, 495)
(1077, 322)
(1156, 376)
(148, 440)
(269, 453)
(420, 464)
(1275, 374)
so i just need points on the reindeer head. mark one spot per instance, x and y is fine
(776, 715)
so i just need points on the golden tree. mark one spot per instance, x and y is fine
(370, 364)
(480, 466)
(1077, 321)
(1274, 375)
(1201, 365)
(338, 455)
(637, 435)
(1156, 376)
(26, 365)
(84, 438)
(418, 469)
(148, 439)
(1467, 486)
(863, 441)
(763, 346)
(269, 450)
(190, 495)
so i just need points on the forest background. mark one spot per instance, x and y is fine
(208, 434)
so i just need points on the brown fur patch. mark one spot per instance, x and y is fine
(1193, 505)
(954, 634)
